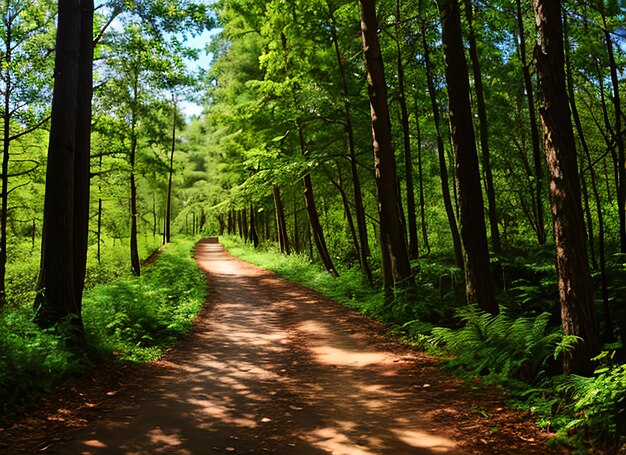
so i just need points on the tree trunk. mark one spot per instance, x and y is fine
(346, 209)
(575, 290)
(316, 227)
(168, 206)
(406, 135)
(594, 188)
(421, 182)
(281, 224)
(619, 138)
(479, 284)
(134, 250)
(6, 121)
(384, 159)
(364, 249)
(534, 133)
(56, 289)
(484, 132)
(441, 153)
(253, 234)
(83, 146)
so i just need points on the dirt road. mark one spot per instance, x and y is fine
(273, 367)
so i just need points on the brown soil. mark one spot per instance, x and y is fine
(273, 367)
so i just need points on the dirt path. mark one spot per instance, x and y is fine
(273, 367)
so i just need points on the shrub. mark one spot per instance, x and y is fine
(487, 344)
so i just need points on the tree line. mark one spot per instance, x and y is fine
(295, 87)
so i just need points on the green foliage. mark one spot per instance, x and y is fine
(487, 344)
(31, 360)
(596, 404)
(137, 317)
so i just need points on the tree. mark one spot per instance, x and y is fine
(575, 289)
(27, 28)
(56, 289)
(393, 237)
(479, 285)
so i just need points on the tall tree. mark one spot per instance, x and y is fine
(393, 238)
(575, 290)
(25, 27)
(441, 151)
(56, 287)
(483, 128)
(534, 132)
(479, 284)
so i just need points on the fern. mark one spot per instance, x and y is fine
(487, 344)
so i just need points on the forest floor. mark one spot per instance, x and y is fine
(273, 367)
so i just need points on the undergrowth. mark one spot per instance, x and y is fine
(131, 318)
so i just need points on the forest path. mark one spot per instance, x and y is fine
(274, 367)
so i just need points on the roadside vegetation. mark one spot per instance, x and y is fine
(125, 317)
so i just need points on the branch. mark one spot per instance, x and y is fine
(29, 130)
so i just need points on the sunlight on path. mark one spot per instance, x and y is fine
(273, 368)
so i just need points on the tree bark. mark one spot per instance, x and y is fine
(56, 287)
(441, 154)
(384, 159)
(575, 290)
(483, 131)
(534, 133)
(83, 146)
(479, 284)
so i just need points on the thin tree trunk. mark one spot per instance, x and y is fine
(6, 120)
(314, 221)
(575, 289)
(534, 133)
(441, 153)
(479, 284)
(168, 207)
(364, 249)
(594, 187)
(346, 208)
(296, 224)
(484, 132)
(421, 182)
(281, 224)
(253, 234)
(384, 159)
(619, 138)
(134, 250)
(406, 135)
